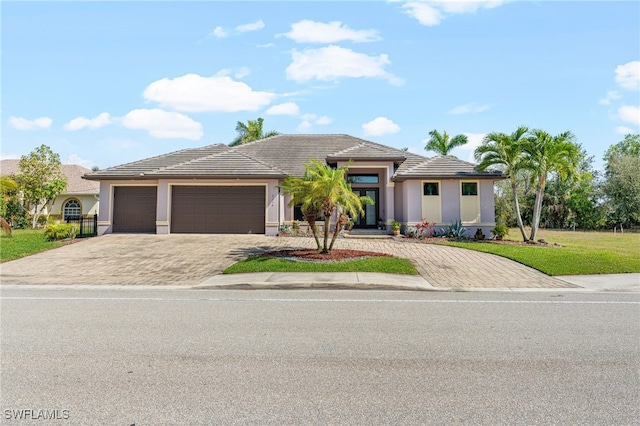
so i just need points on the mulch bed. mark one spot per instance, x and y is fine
(333, 256)
(433, 240)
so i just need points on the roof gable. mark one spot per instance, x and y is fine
(75, 183)
(283, 155)
(444, 166)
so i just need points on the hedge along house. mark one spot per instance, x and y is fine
(222, 189)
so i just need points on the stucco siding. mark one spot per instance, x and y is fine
(450, 200)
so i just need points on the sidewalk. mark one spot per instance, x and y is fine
(377, 281)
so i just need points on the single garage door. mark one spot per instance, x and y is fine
(134, 209)
(218, 209)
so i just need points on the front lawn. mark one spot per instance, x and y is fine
(24, 243)
(582, 253)
(392, 265)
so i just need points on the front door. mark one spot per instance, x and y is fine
(370, 217)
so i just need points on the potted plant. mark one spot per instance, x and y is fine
(395, 227)
(499, 231)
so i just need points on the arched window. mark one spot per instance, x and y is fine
(71, 208)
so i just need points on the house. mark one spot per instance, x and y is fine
(80, 197)
(220, 189)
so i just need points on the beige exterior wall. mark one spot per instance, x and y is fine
(414, 208)
(274, 211)
(88, 202)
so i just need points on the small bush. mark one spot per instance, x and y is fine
(60, 231)
(455, 231)
(411, 232)
(500, 230)
(285, 228)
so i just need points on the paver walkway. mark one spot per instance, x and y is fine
(179, 259)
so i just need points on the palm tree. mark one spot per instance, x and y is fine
(545, 154)
(442, 143)
(252, 131)
(505, 152)
(325, 190)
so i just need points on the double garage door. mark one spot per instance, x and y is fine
(218, 209)
(194, 209)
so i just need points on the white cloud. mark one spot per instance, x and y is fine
(423, 12)
(192, 92)
(380, 126)
(334, 62)
(242, 73)
(304, 126)
(623, 130)
(474, 141)
(611, 95)
(307, 31)
(324, 120)
(254, 26)
(308, 120)
(431, 13)
(162, 124)
(75, 159)
(266, 45)
(287, 108)
(92, 123)
(470, 108)
(219, 32)
(628, 75)
(26, 124)
(630, 114)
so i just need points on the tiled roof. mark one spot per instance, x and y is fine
(73, 172)
(283, 155)
(153, 164)
(225, 164)
(443, 166)
(368, 151)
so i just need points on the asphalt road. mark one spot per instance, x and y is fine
(152, 357)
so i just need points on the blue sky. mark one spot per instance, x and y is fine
(104, 83)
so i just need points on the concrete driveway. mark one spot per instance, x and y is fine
(188, 260)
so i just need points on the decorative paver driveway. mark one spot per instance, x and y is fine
(178, 259)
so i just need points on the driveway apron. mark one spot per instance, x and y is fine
(188, 259)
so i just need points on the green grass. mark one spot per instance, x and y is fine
(24, 243)
(392, 265)
(583, 253)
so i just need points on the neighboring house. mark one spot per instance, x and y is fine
(80, 197)
(219, 189)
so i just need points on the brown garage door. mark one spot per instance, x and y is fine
(218, 209)
(134, 209)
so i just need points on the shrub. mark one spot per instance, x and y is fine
(500, 230)
(425, 229)
(411, 232)
(455, 231)
(60, 231)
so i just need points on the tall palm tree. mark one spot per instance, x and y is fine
(545, 154)
(325, 190)
(505, 153)
(443, 144)
(252, 131)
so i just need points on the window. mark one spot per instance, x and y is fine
(362, 179)
(430, 188)
(71, 208)
(469, 188)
